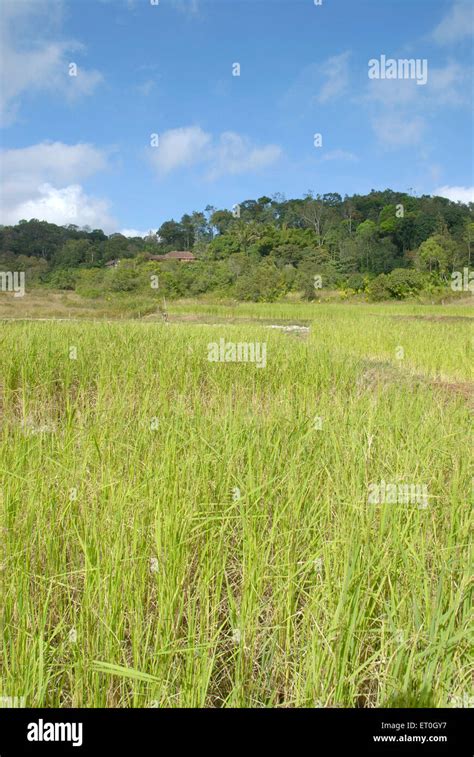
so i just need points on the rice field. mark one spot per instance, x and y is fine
(180, 532)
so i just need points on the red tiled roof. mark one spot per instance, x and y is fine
(177, 255)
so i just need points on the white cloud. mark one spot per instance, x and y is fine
(456, 194)
(50, 10)
(187, 6)
(399, 106)
(394, 92)
(336, 71)
(178, 148)
(146, 88)
(396, 130)
(81, 85)
(339, 155)
(317, 83)
(53, 161)
(457, 25)
(34, 61)
(63, 206)
(448, 85)
(135, 233)
(230, 153)
(41, 181)
(234, 154)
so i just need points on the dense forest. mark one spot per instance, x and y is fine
(385, 244)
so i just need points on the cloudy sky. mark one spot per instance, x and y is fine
(120, 114)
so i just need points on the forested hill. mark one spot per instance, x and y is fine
(357, 236)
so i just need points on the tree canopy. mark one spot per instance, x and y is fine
(271, 240)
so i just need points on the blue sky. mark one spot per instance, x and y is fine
(77, 149)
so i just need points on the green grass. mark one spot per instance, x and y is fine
(120, 523)
(301, 310)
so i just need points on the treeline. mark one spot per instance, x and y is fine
(388, 244)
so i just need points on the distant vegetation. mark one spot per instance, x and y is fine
(382, 245)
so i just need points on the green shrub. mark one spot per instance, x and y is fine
(90, 282)
(399, 284)
(122, 280)
(63, 278)
(356, 281)
(265, 283)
